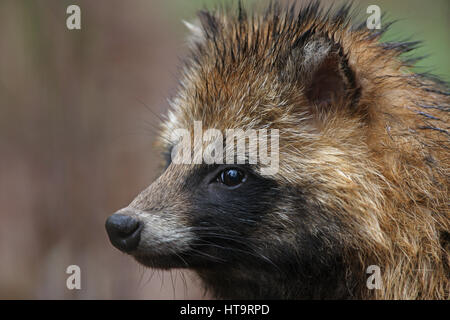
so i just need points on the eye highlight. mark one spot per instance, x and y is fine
(231, 177)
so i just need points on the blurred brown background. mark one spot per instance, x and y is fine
(78, 112)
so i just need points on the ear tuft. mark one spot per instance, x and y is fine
(195, 29)
(197, 35)
(323, 70)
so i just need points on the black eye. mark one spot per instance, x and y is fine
(231, 177)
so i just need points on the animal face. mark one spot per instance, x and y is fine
(198, 215)
(308, 228)
(223, 216)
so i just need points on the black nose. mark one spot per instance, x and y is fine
(124, 232)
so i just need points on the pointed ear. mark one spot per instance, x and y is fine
(323, 70)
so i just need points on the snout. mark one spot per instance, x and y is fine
(124, 231)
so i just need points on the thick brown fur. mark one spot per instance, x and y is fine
(372, 165)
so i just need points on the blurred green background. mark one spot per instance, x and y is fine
(78, 114)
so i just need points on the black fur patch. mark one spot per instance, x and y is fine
(232, 252)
